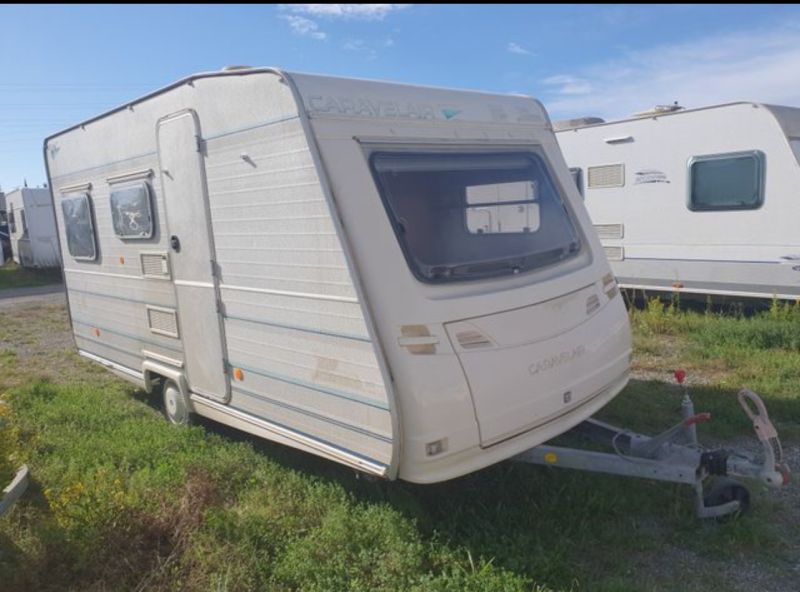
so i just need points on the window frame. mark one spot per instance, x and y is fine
(92, 227)
(761, 163)
(149, 191)
(525, 151)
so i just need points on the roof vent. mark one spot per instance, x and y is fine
(235, 67)
(577, 122)
(659, 110)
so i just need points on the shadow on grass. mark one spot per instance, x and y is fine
(558, 526)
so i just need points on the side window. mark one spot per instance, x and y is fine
(81, 240)
(795, 144)
(22, 221)
(726, 181)
(577, 176)
(131, 211)
(12, 221)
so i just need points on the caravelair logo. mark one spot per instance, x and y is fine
(363, 107)
(556, 360)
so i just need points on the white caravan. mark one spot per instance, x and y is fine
(399, 278)
(32, 227)
(700, 201)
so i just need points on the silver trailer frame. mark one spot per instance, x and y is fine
(676, 456)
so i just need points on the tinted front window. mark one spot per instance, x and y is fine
(727, 182)
(471, 216)
(80, 230)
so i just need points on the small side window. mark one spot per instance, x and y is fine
(577, 176)
(727, 181)
(81, 240)
(795, 144)
(131, 212)
(12, 221)
(24, 223)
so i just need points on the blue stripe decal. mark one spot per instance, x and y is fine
(125, 298)
(108, 345)
(310, 437)
(298, 328)
(701, 260)
(256, 126)
(315, 387)
(129, 336)
(341, 424)
(100, 166)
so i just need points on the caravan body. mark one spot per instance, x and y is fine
(32, 227)
(333, 264)
(700, 201)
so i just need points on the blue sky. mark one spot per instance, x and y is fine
(62, 64)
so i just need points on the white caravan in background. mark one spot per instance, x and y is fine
(699, 201)
(399, 278)
(32, 227)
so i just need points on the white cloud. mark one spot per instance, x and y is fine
(354, 11)
(758, 65)
(569, 85)
(358, 45)
(303, 26)
(516, 48)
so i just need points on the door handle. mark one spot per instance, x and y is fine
(175, 243)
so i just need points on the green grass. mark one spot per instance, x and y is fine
(121, 500)
(723, 353)
(14, 276)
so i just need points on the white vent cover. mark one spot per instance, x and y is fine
(614, 253)
(163, 321)
(608, 175)
(155, 265)
(609, 230)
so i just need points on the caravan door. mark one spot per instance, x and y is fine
(192, 255)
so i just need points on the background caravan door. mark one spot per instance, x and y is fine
(192, 255)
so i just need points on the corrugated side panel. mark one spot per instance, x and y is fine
(293, 322)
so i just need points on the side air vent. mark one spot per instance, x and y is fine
(609, 175)
(609, 230)
(614, 253)
(162, 321)
(155, 265)
(470, 339)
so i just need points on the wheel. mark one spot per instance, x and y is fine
(176, 406)
(727, 490)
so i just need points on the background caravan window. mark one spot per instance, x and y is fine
(726, 181)
(81, 240)
(131, 212)
(12, 220)
(577, 176)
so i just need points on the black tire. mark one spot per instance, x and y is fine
(726, 490)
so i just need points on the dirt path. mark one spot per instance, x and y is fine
(50, 294)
